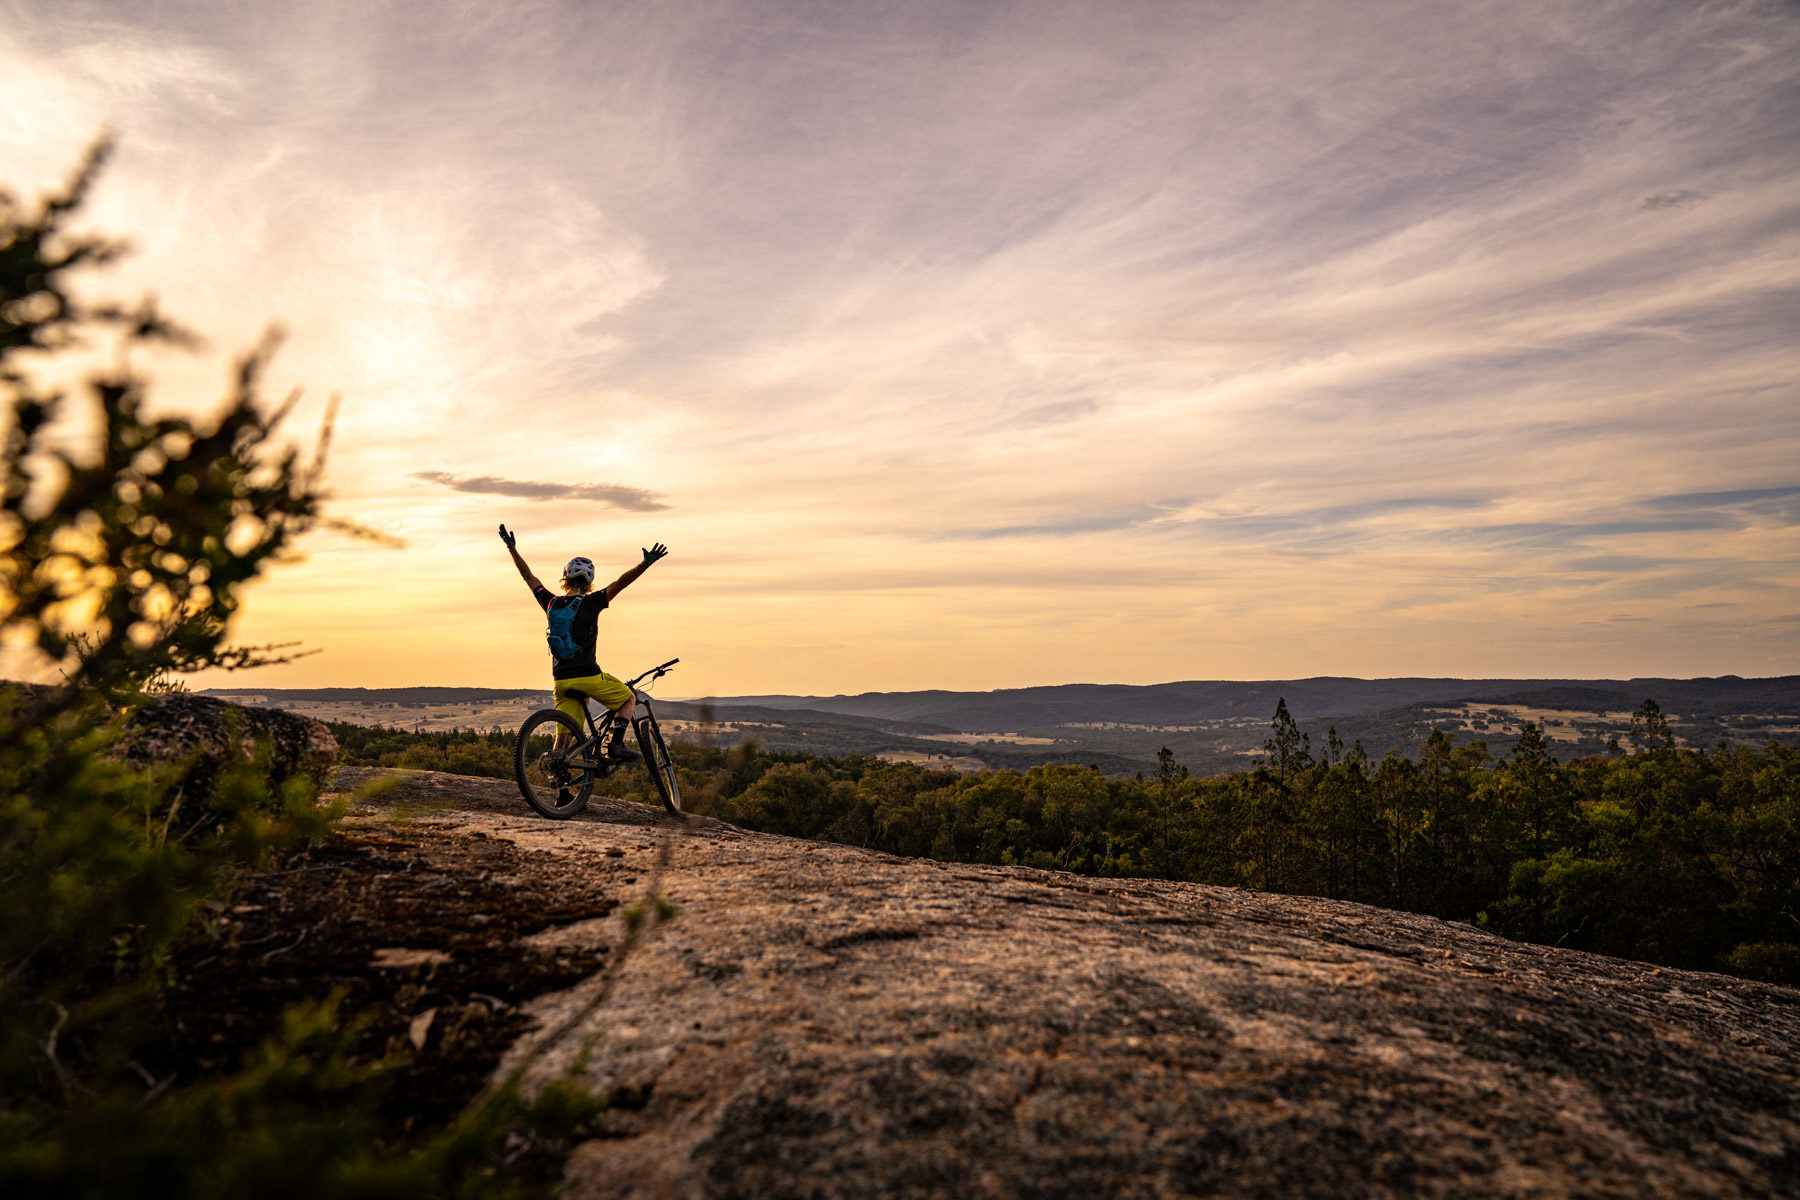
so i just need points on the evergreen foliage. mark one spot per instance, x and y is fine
(483, 753)
(122, 561)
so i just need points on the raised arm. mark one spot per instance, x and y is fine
(624, 581)
(512, 548)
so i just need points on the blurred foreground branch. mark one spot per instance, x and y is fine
(127, 561)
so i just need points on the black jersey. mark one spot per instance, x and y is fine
(585, 630)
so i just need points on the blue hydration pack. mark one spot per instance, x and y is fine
(562, 612)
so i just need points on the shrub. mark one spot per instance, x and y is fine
(120, 566)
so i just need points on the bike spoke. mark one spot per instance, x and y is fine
(552, 781)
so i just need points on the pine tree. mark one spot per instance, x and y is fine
(1169, 774)
(1289, 750)
(1650, 732)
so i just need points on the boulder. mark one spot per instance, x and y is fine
(181, 726)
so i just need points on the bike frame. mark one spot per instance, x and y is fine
(600, 764)
(547, 771)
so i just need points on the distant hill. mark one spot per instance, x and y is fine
(1318, 698)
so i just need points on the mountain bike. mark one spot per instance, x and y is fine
(557, 783)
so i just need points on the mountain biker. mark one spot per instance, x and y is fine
(574, 617)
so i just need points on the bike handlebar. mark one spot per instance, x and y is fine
(654, 673)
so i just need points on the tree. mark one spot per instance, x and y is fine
(1544, 808)
(1531, 806)
(1288, 749)
(1401, 812)
(1169, 774)
(1650, 732)
(1531, 750)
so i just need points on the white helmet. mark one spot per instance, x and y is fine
(579, 570)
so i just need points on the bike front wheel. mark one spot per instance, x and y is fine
(659, 764)
(550, 783)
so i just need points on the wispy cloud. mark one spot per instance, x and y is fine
(1676, 199)
(1209, 520)
(1061, 527)
(610, 495)
(1778, 503)
(1613, 564)
(1450, 336)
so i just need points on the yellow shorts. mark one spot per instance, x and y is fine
(571, 694)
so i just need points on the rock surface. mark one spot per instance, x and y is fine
(824, 1021)
(180, 725)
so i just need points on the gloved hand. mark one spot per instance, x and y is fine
(510, 539)
(655, 552)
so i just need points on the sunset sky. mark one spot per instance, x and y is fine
(984, 344)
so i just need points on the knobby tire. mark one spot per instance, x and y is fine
(659, 764)
(553, 790)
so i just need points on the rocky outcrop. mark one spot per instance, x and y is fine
(823, 1021)
(204, 734)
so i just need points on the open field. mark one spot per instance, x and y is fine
(960, 763)
(1558, 725)
(419, 717)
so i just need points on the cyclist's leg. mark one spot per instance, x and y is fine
(571, 699)
(620, 703)
(572, 696)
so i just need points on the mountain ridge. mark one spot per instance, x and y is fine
(1312, 698)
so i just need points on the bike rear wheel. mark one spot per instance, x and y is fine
(549, 783)
(659, 764)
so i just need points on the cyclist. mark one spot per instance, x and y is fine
(574, 617)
